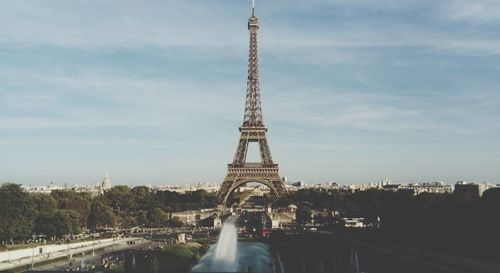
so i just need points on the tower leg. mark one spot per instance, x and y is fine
(225, 189)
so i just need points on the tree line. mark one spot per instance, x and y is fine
(461, 222)
(67, 212)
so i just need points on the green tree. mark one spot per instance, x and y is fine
(120, 198)
(17, 212)
(143, 197)
(157, 218)
(101, 215)
(198, 199)
(175, 222)
(127, 221)
(321, 219)
(44, 202)
(45, 225)
(58, 223)
(303, 213)
(45, 206)
(491, 198)
(142, 218)
(66, 222)
(71, 200)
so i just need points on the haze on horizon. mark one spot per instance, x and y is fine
(153, 91)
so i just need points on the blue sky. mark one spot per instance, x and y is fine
(153, 91)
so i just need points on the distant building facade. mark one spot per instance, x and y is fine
(354, 222)
(462, 187)
(433, 187)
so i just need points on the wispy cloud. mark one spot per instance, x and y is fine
(476, 12)
(141, 86)
(93, 100)
(380, 111)
(130, 25)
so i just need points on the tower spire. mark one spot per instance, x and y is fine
(253, 110)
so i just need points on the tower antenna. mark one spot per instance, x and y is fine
(253, 7)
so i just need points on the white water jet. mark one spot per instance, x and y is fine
(225, 255)
(354, 261)
(229, 255)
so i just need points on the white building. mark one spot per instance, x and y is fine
(354, 222)
(106, 184)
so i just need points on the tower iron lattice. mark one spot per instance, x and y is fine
(253, 129)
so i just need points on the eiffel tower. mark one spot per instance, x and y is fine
(241, 172)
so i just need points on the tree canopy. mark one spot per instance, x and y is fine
(17, 212)
(66, 212)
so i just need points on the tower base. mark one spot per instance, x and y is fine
(247, 173)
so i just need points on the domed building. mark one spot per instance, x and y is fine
(106, 184)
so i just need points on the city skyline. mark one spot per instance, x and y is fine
(154, 91)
